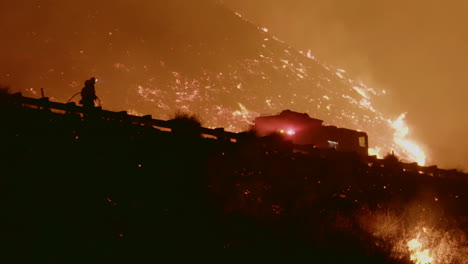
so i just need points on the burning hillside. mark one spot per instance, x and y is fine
(195, 56)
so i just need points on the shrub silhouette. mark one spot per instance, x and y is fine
(392, 158)
(185, 125)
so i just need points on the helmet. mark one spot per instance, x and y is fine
(91, 81)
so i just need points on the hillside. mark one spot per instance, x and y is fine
(199, 57)
(114, 190)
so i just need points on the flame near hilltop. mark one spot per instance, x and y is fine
(200, 58)
(411, 149)
(402, 146)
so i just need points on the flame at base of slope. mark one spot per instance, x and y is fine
(418, 254)
(417, 241)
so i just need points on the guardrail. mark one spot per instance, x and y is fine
(216, 133)
(148, 120)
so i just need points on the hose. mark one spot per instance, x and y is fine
(73, 96)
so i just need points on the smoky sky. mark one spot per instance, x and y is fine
(415, 50)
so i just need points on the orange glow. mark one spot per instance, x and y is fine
(408, 148)
(375, 152)
(418, 254)
(227, 81)
(343, 33)
(415, 238)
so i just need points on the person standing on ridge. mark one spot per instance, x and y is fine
(88, 93)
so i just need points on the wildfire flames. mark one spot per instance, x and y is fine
(418, 254)
(409, 148)
(228, 75)
(417, 240)
(403, 147)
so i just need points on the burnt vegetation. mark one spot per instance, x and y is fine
(94, 190)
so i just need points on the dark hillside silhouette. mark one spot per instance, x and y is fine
(119, 191)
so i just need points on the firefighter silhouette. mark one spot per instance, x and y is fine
(88, 94)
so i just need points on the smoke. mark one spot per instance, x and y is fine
(136, 47)
(413, 50)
